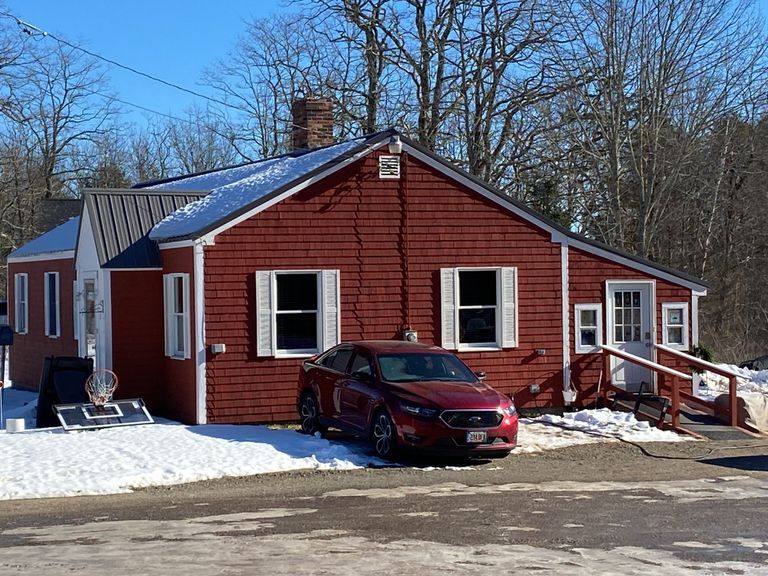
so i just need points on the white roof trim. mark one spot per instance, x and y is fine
(557, 235)
(62, 255)
(210, 237)
(177, 244)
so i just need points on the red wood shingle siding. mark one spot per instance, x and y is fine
(587, 274)
(30, 349)
(137, 335)
(354, 222)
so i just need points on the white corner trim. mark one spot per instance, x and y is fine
(201, 392)
(210, 237)
(565, 303)
(694, 319)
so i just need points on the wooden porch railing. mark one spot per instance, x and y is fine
(662, 371)
(709, 367)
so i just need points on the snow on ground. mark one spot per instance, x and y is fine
(713, 385)
(50, 462)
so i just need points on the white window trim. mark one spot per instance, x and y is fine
(171, 344)
(506, 336)
(328, 313)
(46, 297)
(21, 329)
(685, 326)
(577, 309)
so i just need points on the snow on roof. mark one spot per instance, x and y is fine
(60, 239)
(234, 189)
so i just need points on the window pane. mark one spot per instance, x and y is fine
(675, 316)
(636, 334)
(627, 299)
(341, 359)
(477, 288)
(53, 300)
(297, 292)
(627, 333)
(674, 335)
(179, 327)
(477, 326)
(588, 337)
(178, 294)
(618, 318)
(618, 335)
(636, 317)
(589, 317)
(297, 331)
(636, 299)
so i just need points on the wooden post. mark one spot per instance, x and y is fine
(675, 403)
(732, 401)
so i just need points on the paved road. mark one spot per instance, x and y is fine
(604, 509)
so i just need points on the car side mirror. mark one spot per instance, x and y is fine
(480, 375)
(363, 376)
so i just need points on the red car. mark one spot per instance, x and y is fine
(405, 395)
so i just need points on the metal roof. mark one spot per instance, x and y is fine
(121, 221)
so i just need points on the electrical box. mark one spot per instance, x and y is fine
(534, 388)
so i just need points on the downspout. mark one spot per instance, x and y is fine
(200, 352)
(569, 392)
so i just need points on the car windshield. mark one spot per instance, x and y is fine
(418, 366)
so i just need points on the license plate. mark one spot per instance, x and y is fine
(477, 436)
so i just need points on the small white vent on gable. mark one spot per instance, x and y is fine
(389, 166)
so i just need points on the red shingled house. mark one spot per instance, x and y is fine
(258, 266)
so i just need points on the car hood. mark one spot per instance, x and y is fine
(449, 395)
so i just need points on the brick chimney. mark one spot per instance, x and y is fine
(312, 122)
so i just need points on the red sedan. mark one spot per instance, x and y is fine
(405, 395)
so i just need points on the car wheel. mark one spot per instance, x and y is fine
(308, 415)
(383, 435)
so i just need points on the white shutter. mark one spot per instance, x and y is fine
(331, 330)
(448, 308)
(167, 313)
(187, 327)
(508, 307)
(264, 341)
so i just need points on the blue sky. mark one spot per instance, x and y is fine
(171, 39)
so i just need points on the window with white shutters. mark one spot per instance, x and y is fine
(479, 308)
(297, 312)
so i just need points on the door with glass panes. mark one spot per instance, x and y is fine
(629, 329)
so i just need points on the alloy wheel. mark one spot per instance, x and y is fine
(383, 435)
(308, 415)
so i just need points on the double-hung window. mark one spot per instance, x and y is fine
(675, 325)
(51, 294)
(21, 297)
(297, 311)
(479, 308)
(589, 327)
(177, 323)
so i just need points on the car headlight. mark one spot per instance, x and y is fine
(418, 410)
(509, 410)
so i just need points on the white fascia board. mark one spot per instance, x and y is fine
(177, 244)
(208, 239)
(557, 235)
(43, 257)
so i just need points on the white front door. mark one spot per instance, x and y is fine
(630, 328)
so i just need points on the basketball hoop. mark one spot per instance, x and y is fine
(100, 386)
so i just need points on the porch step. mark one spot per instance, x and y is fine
(654, 409)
